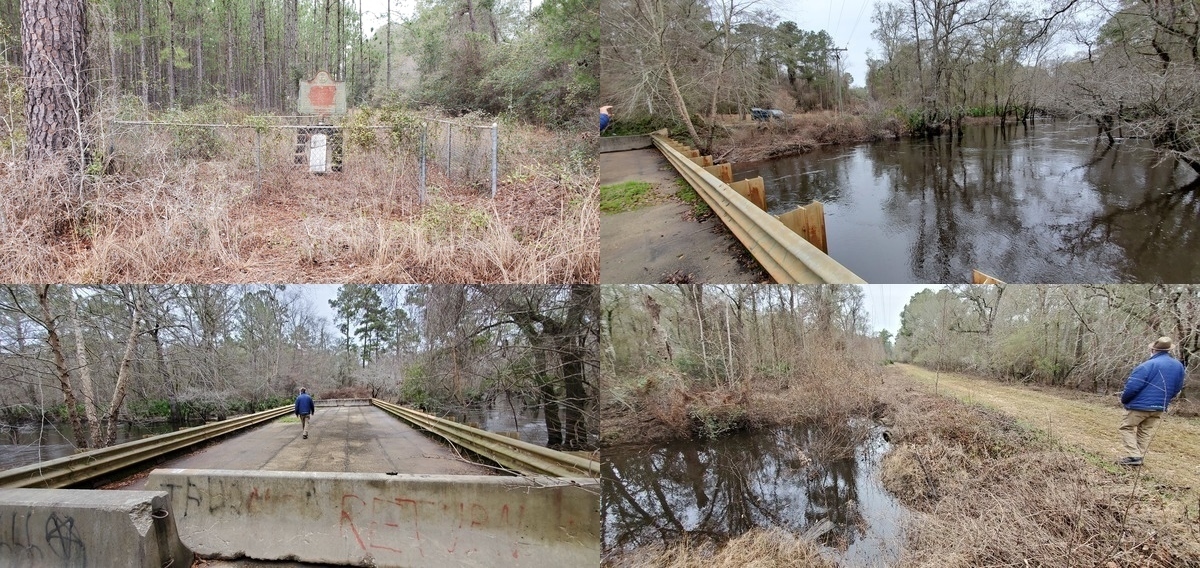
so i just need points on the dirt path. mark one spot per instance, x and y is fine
(646, 245)
(1090, 426)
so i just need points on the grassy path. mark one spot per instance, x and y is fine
(1174, 456)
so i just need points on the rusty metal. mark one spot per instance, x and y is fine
(786, 256)
(91, 465)
(523, 457)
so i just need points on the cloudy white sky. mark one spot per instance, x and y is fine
(848, 22)
(886, 301)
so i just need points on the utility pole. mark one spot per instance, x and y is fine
(389, 46)
(837, 56)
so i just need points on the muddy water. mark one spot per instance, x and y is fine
(1048, 203)
(505, 416)
(32, 443)
(788, 478)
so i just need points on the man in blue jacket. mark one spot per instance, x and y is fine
(304, 409)
(1148, 391)
(605, 117)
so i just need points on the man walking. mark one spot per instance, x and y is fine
(304, 409)
(1148, 390)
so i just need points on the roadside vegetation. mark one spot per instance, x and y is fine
(627, 196)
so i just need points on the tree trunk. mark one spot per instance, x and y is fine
(291, 90)
(54, 53)
(60, 365)
(171, 53)
(86, 387)
(114, 409)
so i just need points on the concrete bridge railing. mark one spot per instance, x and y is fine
(368, 519)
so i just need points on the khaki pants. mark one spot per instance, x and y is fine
(1136, 430)
(304, 423)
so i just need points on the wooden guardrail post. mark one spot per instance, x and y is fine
(723, 172)
(753, 189)
(978, 277)
(808, 222)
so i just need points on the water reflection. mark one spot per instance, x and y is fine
(31, 443)
(1048, 203)
(507, 415)
(719, 489)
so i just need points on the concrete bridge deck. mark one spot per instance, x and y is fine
(355, 439)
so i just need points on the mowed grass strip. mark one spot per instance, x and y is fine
(1089, 426)
(626, 196)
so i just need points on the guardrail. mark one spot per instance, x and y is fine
(785, 255)
(516, 455)
(87, 466)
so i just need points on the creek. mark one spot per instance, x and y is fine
(801, 478)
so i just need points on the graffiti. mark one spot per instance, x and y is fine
(63, 546)
(64, 541)
(394, 525)
(191, 494)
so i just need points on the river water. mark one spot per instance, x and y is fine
(787, 478)
(32, 443)
(1050, 203)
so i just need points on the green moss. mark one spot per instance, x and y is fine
(688, 195)
(627, 196)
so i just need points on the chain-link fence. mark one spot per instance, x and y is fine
(421, 152)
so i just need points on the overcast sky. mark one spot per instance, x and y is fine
(886, 301)
(848, 22)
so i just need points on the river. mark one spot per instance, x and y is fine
(1050, 203)
(792, 478)
(32, 443)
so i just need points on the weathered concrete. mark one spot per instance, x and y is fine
(343, 439)
(623, 143)
(382, 520)
(320, 403)
(662, 242)
(77, 527)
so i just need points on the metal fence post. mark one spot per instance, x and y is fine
(424, 127)
(495, 147)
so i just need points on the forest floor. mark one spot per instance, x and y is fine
(1082, 424)
(155, 217)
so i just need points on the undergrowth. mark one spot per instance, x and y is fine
(171, 204)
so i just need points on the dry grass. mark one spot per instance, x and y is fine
(990, 492)
(160, 218)
(758, 548)
(799, 133)
(667, 405)
(1088, 424)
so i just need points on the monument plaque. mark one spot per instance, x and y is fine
(322, 96)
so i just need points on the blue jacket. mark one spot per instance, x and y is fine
(304, 404)
(1153, 384)
(604, 119)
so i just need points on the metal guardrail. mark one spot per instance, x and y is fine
(90, 465)
(516, 455)
(785, 255)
